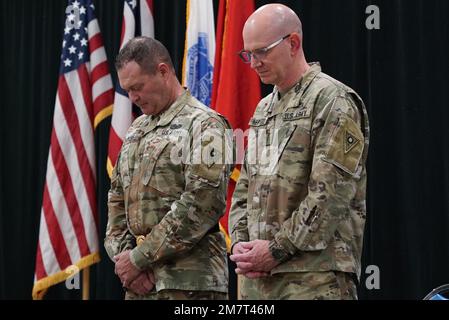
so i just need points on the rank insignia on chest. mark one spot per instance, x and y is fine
(175, 126)
(134, 135)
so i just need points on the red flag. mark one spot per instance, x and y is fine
(68, 235)
(236, 88)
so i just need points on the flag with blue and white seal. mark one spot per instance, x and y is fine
(199, 51)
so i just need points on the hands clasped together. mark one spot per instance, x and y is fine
(138, 281)
(253, 259)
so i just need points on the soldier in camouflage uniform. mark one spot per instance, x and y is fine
(168, 187)
(298, 210)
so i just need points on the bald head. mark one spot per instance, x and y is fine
(272, 21)
(278, 62)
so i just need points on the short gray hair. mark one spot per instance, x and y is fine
(146, 52)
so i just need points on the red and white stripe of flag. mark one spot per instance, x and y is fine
(122, 117)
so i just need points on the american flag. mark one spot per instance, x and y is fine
(68, 234)
(137, 20)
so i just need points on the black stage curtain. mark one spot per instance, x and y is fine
(401, 72)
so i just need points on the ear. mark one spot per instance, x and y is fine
(295, 43)
(164, 69)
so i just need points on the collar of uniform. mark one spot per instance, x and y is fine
(167, 116)
(308, 77)
(303, 82)
(274, 107)
(297, 90)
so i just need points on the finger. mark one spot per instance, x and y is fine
(237, 248)
(121, 274)
(145, 281)
(150, 275)
(247, 245)
(118, 268)
(125, 279)
(146, 284)
(245, 272)
(117, 256)
(255, 274)
(149, 282)
(240, 250)
(243, 257)
(240, 271)
(245, 265)
(137, 287)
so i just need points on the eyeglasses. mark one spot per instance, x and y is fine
(261, 53)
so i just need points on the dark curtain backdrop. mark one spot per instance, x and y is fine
(401, 72)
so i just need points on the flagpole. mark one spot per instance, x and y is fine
(86, 283)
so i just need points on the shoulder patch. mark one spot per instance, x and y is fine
(346, 146)
(209, 152)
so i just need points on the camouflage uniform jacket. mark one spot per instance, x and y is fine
(174, 203)
(308, 199)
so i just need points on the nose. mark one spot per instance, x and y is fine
(255, 62)
(133, 97)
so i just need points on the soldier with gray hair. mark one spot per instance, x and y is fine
(298, 210)
(165, 202)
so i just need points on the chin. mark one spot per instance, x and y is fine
(266, 80)
(147, 111)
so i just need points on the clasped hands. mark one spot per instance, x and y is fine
(253, 258)
(138, 281)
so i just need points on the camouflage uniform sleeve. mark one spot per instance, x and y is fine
(201, 204)
(117, 237)
(238, 223)
(337, 164)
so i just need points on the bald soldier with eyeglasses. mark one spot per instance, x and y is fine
(298, 211)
